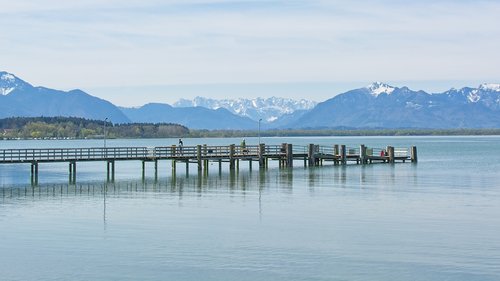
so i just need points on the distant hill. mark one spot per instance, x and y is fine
(383, 106)
(20, 99)
(192, 117)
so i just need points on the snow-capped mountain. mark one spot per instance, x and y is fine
(9, 82)
(20, 99)
(267, 109)
(384, 106)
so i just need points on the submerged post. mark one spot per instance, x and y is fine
(414, 158)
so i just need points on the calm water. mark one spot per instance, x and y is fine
(437, 220)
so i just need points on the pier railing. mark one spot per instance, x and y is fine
(69, 154)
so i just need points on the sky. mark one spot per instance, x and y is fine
(132, 52)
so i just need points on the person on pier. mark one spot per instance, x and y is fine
(243, 147)
(181, 144)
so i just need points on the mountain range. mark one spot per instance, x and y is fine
(267, 109)
(383, 106)
(376, 106)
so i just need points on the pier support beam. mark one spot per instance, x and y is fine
(143, 170)
(72, 172)
(156, 170)
(110, 171)
(34, 173)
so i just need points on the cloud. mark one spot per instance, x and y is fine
(131, 43)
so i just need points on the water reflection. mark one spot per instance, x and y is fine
(234, 182)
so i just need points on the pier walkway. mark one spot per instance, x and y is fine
(201, 155)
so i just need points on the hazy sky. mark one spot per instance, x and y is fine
(136, 51)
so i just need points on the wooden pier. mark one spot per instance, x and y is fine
(201, 155)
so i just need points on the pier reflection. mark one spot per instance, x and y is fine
(234, 182)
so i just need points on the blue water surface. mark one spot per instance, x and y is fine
(435, 220)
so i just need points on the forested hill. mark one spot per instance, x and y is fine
(80, 128)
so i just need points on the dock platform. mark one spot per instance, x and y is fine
(201, 155)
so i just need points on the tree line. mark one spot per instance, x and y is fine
(80, 128)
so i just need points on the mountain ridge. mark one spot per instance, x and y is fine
(378, 105)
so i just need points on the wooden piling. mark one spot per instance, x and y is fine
(343, 154)
(414, 158)
(156, 170)
(143, 170)
(390, 151)
(198, 157)
(310, 155)
(336, 154)
(362, 154)
(262, 149)
(231, 157)
(289, 155)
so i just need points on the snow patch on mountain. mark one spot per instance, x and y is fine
(8, 83)
(8, 77)
(6, 91)
(490, 87)
(474, 96)
(378, 88)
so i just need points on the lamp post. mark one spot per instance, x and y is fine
(259, 130)
(105, 121)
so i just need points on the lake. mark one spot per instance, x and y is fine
(438, 219)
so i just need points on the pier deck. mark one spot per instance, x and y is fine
(312, 155)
